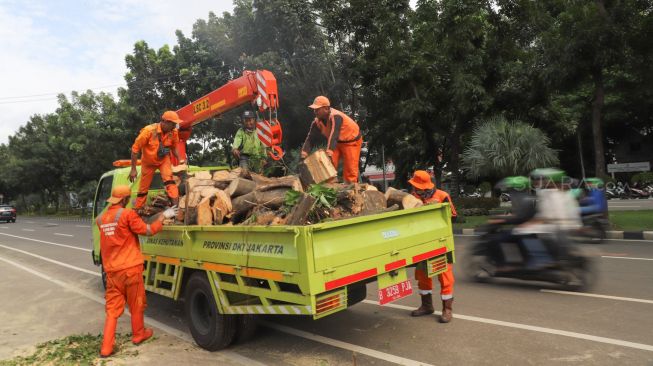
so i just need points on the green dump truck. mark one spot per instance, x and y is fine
(227, 275)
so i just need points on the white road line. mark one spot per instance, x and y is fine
(614, 206)
(634, 258)
(598, 296)
(588, 337)
(48, 242)
(4, 227)
(82, 225)
(29, 222)
(53, 261)
(29, 230)
(344, 345)
(230, 356)
(60, 234)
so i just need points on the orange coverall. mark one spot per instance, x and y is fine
(147, 143)
(343, 140)
(424, 282)
(122, 261)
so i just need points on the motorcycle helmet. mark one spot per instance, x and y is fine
(516, 183)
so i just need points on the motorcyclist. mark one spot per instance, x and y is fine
(557, 213)
(594, 202)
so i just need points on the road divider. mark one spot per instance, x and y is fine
(588, 337)
(598, 296)
(60, 234)
(48, 242)
(633, 258)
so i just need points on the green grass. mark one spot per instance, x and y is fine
(620, 220)
(76, 349)
(632, 220)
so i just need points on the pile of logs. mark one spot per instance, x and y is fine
(239, 197)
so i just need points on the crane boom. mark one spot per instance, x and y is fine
(257, 87)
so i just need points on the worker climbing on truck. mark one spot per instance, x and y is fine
(122, 261)
(344, 139)
(247, 147)
(155, 142)
(425, 190)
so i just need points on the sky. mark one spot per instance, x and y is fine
(52, 47)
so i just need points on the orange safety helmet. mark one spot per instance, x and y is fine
(319, 102)
(171, 116)
(421, 180)
(118, 193)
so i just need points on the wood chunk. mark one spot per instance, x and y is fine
(373, 202)
(202, 174)
(368, 187)
(239, 187)
(290, 181)
(208, 191)
(299, 214)
(403, 199)
(272, 199)
(205, 212)
(179, 168)
(317, 168)
(221, 206)
(194, 182)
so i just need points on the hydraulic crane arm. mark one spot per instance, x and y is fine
(256, 87)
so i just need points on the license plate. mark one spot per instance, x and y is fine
(395, 292)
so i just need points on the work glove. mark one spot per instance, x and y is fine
(170, 212)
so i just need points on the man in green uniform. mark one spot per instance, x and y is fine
(247, 147)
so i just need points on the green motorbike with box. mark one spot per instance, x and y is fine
(229, 274)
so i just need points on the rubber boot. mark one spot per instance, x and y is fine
(447, 311)
(426, 308)
(109, 337)
(139, 333)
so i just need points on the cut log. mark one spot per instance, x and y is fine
(202, 174)
(350, 200)
(194, 182)
(403, 199)
(368, 187)
(205, 212)
(299, 214)
(239, 187)
(179, 168)
(190, 200)
(317, 168)
(208, 191)
(290, 181)
(221, 206)
(373, 202)
(272, 199)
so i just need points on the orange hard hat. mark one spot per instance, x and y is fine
(118, 193)
(171, 116)
(319, 102)
(421, 180)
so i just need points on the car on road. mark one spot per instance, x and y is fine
(7, 213)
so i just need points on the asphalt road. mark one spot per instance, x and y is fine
(50, 288)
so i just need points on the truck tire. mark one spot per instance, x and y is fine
(210, 329)
(356, 293)
(246, 327)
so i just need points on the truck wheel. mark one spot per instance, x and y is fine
(356, 293)
(246, 327)
(210, 329)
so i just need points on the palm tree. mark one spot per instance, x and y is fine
(500, 148)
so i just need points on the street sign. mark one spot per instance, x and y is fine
(644, 166)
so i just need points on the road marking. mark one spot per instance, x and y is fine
(614, 206)
(598, 296)
(60, 234)
(47, 242)
(634, 258)
(4, 227)
(29, 222)
(616, 342)
(53, 261)
(344, 345)
(82, 225)
(637, 240)
(29, 230)
(229, 355)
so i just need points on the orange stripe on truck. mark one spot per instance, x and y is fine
(262, 273)
(222, 268)
(167, 260)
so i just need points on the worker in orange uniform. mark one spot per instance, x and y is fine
(155, 142)
(344, 139)
(122, 261)
(424, 189)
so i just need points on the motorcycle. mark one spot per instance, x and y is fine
(494, 257)
(595, 227)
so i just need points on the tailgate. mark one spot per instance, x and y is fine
(345, 242)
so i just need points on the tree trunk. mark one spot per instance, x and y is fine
(597, 129)
(402, 199)
(239, 187)
(272, 199)
(299, 214)
(373, 202)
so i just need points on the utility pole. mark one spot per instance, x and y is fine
(385, 184)
(580, 153)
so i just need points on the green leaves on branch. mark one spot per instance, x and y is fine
(325, 197)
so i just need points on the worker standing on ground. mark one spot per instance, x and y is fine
(247, 147)
(424, 189)
(343, 135)
(122, 261)
(155, 142)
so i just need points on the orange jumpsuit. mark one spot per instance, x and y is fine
(122, 261)
(147, 143)
(424, 282)
(344, 141)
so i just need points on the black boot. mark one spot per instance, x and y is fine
(447, 311)
(426, 307)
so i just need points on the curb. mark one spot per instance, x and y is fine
(629, 235)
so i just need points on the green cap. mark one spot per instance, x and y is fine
(553, 174)
(518, 183)
(594, 182)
